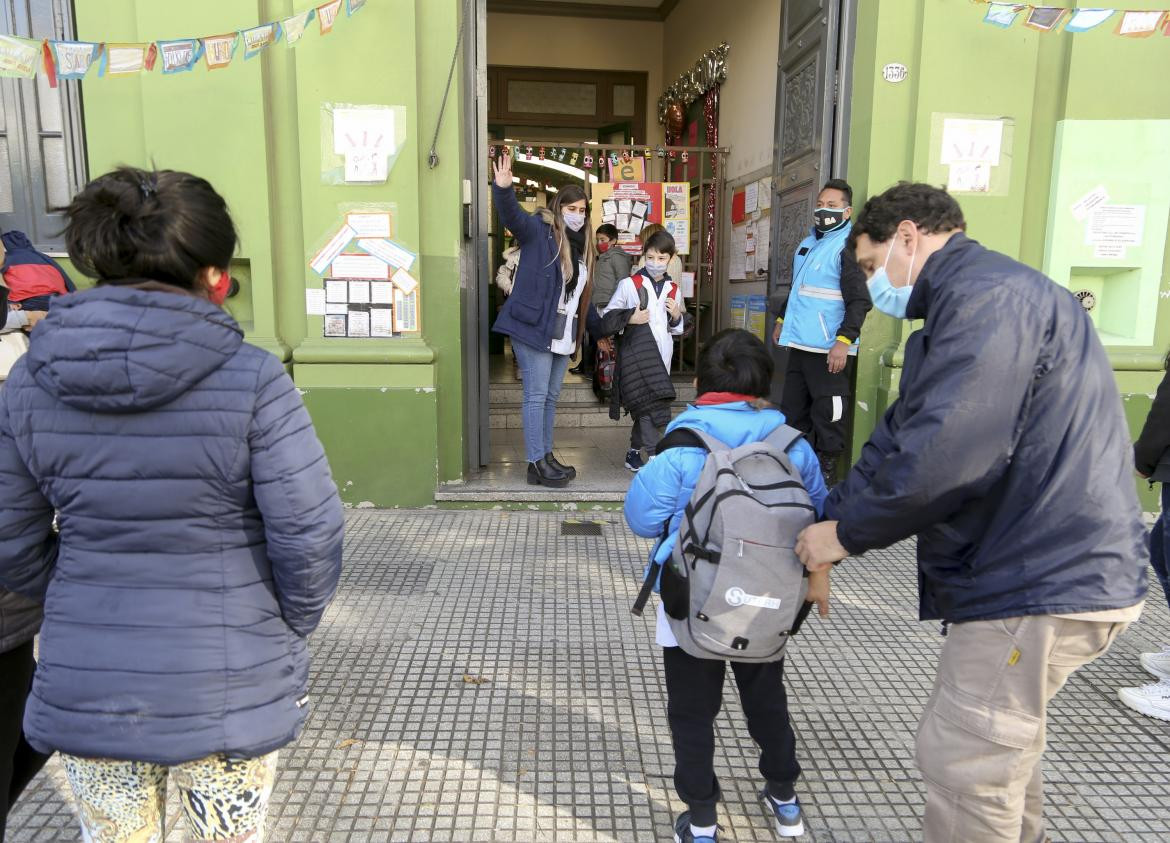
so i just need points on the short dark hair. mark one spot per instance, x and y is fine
(154, 225)
(841, 185)
(660, 241)
(608, 229)
(930, 208)
(735, 361)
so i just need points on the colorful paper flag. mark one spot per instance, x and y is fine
(219, 50)
(71, 59)
(327, 15)
(1002, 14)
(1045, 18)
(352, 6)
(19, 56)
(127, 59)
(181, 55)
(1085, 19)
(1139, 24)
(259, 38)
(294, 27)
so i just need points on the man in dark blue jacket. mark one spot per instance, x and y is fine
(1007, 455)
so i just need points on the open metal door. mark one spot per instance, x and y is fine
(803, 153)
(475, 279)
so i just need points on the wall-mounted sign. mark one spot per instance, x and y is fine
(895, 72)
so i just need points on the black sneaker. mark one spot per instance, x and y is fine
(634, 460)
(682, 831)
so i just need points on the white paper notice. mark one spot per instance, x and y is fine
(623, 222)
(1109, 251)
(366, 165)
(609, 208)
(405, 312)
(626, 206)
(405, 282)
(751, 197)
(359, 323)
(381, 322)
(359, 291)
(640, 209)
(389, 252)
(337, 291)
(332, 308)
(369, 225)
(381, 292)
(359, 266)
(1097, 196)
(971, 140)
(687, 285)
(331, 249)
(363, 128)
(315, 302)
(335, 325)
(969, 177)
(1120, 224)
(738, 252)
(763, 244)
(766, 193)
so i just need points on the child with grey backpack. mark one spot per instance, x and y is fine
(732, 582)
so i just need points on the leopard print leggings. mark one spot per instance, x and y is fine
(223, 798)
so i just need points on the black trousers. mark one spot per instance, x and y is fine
(19, 762)
(649, 426)
(815, 400)
(694, 690)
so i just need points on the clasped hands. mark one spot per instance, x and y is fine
(818, 547)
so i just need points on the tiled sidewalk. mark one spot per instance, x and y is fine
(480, 677)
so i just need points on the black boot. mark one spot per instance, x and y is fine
(829, 463)
(568, 470)
(543, 473)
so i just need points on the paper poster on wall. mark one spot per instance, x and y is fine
(636, 204)
(381, 322)
(405, 282)
(763, 244)
(381, 292)
(369, 224)
(969, 177)
(405, 311)
(686, 285)
(359, 323)
(971, 140)
(765, 193)
(676, 214)
(632, 170)
(1116, 224)
(315, 302)
(1097, 196)
(751, 197)
(320, 262)
(335, 325)
(738, 267)
(360, 143)
(337, 291)
(359, 266)
(389, 252)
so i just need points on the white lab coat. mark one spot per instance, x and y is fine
(626, 296)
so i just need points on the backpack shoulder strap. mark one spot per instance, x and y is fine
(688, 437)
(783, 438)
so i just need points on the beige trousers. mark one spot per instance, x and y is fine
(981, 738)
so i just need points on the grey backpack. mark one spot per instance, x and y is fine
(733, 587)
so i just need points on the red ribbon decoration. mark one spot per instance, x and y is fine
(711, 115)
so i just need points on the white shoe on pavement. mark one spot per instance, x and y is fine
(1157, 664)
(1151, 700)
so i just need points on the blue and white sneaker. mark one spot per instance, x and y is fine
(634, 460)
(682, 831)
(789, 818)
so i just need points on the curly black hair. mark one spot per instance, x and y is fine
(930, 208)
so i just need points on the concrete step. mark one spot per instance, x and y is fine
(510, 395)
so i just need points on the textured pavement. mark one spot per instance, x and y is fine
(480, 677)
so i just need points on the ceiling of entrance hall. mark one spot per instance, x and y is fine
(617, 9)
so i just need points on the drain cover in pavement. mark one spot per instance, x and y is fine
(581, 528)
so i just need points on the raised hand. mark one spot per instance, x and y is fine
(503, 168)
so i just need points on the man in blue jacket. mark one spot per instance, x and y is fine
(1007, 455)
(820, 324)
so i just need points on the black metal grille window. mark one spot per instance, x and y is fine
(42, 145)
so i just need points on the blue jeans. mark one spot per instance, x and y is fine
(1160, 542)
(543, 374)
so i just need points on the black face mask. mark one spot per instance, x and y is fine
(828, 219)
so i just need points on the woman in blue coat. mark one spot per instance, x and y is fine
(545, 314)
(200, 530)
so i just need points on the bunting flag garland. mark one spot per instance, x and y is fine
(69, 59)
(352, 6)
(219, 50)
(294, 27)
(1050, 18)
(127, 59)
(259, 38)
(180, 56)
(327, 15)
(19, 56)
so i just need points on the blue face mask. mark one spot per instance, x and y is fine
(887, 298)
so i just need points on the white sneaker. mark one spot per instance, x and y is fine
(1157, 664)
(1152, 700)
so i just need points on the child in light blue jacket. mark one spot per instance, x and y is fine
(734, 376)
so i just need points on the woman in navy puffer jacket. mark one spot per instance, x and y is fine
(200, 530)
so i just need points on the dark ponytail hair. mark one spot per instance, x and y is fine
(132, 225)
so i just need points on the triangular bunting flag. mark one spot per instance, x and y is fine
(1085, 19)
(70, 59)
(1045, 18)
(327, 15)
(219, 50)
(259, 38)
(181, 55)
(19, 56)
(1002, 14)
(294, 27)
(1139, 24)
(125, 59)
(352, 6)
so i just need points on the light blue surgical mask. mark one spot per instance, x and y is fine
(887, 298)
(574, 221)
(656, 269)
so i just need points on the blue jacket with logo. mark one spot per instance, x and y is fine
(1007, 452)
(200, 529)
(816, 305)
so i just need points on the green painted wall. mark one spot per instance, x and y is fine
(254, 130)
(958, 64)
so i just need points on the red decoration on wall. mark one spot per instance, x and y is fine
(738, 207)
(711, 116)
